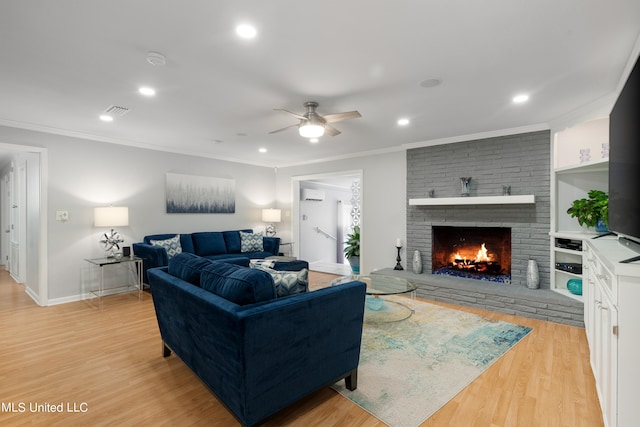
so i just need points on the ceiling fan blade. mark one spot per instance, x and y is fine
(338, 117)
(296, 115)
(331, 131)
(284, 128)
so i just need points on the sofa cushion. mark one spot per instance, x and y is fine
(187, 267)
(251, 242)
(232, 240)
(237, 284)
(171, 245)
(209, 243)
(289, 282)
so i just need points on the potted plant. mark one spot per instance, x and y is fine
(592, 211)
(352, 249)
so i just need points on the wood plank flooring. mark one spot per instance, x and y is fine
(107, 366)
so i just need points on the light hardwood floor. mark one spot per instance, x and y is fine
(108, 363)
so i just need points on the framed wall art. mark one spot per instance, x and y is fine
(200, 194)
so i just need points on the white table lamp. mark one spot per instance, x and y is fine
(271, 216)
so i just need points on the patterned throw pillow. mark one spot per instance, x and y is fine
(251, 242)
(172, 245)
(289, 282)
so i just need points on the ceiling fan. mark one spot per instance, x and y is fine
(313, 125)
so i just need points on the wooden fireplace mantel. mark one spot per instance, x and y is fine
(479, 200)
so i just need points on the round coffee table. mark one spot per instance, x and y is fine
(378, 309)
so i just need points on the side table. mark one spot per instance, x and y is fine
(133, 263)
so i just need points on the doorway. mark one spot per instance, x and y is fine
(23, 217)
(326, 206)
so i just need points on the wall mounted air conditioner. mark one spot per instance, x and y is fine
(311, 194)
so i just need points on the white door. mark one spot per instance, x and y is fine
(17, 231)
(5, 203)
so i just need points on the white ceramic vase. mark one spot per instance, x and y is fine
(533, 275)
(417, 262)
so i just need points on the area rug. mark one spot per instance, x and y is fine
(410, 368)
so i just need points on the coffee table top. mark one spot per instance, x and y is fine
(380, 285)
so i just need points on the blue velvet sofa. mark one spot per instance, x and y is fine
(256, 352)
(156, 249)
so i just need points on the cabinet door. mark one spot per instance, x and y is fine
(606, 320)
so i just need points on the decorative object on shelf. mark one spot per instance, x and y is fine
(432, 194)
(111, 217)
(592, 209)
(417, 262)
(585, 155)
(506, 190)
(352, 249)
(271, 216)
(398, 259)
(605, 150)
(575, 286)
(466, 185)
(601, 226)
(533, 275)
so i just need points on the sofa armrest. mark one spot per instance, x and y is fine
(152, 256)
(271, 244)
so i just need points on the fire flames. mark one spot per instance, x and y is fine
(482, 261)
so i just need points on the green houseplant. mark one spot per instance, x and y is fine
(592, 210)
(352, 249)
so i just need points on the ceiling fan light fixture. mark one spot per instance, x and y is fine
(311, 130)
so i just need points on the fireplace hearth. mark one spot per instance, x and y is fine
(481, 253)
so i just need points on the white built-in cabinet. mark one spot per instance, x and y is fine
(611, 289)
(612, 323)
(580, 163)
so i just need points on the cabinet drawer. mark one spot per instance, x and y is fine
(600, 273)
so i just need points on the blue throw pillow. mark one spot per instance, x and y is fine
(241, 285)
(187, 267)
(209, 243)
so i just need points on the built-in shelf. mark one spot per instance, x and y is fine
(593, 166)
(479, 200)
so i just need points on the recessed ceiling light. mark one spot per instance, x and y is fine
(147, 91)
(519, 99)
(403, 122)
(246, 31)
(106, 118)
(314, 140)
(262, 150)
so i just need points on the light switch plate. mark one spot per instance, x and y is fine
(62, 215)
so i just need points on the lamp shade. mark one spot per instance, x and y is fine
(271, 215)
(111, 216)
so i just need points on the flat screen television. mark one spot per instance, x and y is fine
(624, 164)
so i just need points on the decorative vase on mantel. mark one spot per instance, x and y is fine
(465, 183)
(533, 275)
(417, 262)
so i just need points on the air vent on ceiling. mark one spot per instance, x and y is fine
(115, 111)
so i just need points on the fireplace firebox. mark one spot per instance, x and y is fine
(482, 253)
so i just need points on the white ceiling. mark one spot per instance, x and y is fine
(64, 62)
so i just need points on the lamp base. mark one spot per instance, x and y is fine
(270, 230)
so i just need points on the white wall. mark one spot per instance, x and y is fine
(384, 203)
(83, 174)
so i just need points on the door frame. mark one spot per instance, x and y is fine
(295, 204)
(38, 291)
